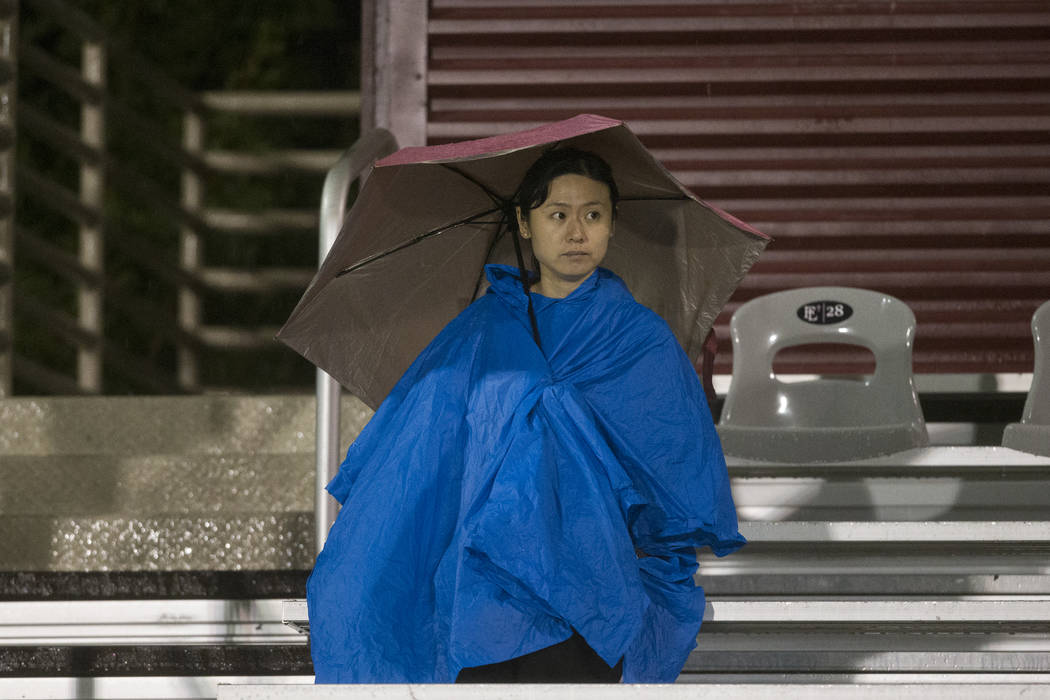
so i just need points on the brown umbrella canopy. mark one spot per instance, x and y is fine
(412, 250)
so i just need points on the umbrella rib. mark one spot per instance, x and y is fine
(498, 200)
(421, 237)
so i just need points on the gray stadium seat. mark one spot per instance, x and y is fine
(1032, 434)
(824, 418)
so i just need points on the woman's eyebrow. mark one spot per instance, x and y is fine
(593, 203)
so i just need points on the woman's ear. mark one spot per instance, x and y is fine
(523, 224)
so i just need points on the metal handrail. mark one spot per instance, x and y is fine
(352, 166)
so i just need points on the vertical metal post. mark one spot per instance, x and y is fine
(92, 243)
(329, 393)
(189, 305)
(8, 91)
(325, 510)
(353, 164)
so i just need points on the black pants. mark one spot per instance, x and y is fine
(571, 661)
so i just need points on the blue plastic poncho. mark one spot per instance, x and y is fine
(497, 498)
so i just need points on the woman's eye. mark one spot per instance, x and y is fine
(559, 215)
(593, 215)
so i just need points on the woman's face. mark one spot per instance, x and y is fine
(570, 232)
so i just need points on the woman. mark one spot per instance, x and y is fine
(542, 527)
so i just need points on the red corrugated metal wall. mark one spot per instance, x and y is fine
(899, 146)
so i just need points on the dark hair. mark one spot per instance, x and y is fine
(535, 187)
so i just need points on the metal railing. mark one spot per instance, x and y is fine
(352, 166)
(123, 186)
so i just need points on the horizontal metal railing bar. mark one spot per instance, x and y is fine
(266, 221)
(234, 337)
(56, 197)
(154, 195)
(271, 162)
(144, 254)
(144, 314)
(56, 259)
(57, 135)
(58, 322)
(129, 176)
(59, 74)
(150, 138)
(42, 378)
(118, 361)
(71, 18)
(329, 102)
(139, 371)
(150, 316)
(258, 279)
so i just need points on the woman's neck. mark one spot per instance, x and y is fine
(555, 287)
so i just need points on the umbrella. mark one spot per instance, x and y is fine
(412, 251)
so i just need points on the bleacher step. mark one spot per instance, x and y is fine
(202, 541)
(125, 425)
(155, 484)
(209, 482)
(682, 691)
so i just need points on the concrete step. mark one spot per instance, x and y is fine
(125, 425)
(153, 485)
(941, 688)
(203, 541)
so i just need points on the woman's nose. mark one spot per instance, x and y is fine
(576, 230)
